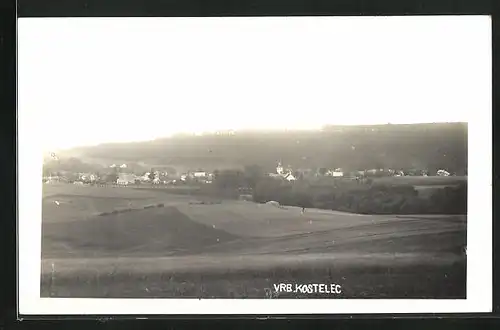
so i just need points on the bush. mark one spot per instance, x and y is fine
(374, 199)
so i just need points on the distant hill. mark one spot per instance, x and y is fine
(431, 146)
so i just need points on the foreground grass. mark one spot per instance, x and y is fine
(403, 281)
(372, 256)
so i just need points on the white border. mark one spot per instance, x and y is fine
(479, 241)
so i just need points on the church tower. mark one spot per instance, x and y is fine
(279, 168)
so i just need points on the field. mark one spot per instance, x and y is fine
(179, 247)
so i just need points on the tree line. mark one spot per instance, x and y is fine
(343, 195)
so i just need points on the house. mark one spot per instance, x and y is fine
(442, 173)
(289, 177)
(145, 177)
(336, 172)
(125, 179)
(52, 179)
(88, 177)
(199, 174)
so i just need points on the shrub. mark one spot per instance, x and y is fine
(369, 199)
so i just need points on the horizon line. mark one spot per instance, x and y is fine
(248, 130)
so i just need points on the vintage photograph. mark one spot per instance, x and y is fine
(253, 158)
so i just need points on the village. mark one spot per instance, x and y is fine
(120, 175)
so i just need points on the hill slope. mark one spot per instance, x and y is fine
(431, 146)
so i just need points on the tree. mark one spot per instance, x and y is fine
(151, 175)
(229, 179)
(322, 170)
(252, 173)
(112, 177)
(171, 170)
(298, 175)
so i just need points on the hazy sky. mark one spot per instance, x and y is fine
(94, 80)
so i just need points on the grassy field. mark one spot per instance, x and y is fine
(425, 186)
(238, 249)
(421, 180)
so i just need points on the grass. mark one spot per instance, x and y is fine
(421, 180)
(79, 203)
(153, 231)
(238, 249)
(356, 281)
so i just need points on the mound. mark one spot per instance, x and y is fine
(150, 232)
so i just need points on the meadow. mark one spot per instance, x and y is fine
(426, 181)
(238, 249)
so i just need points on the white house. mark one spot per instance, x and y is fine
(88, 177)
(145, 177)
(442, 173)
(125, 179)
(199, 174)
(336, 172)
(289, 177)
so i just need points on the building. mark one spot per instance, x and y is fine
(53, 179)
(336, 172)
(88, 177)
(442, 173)
(145, 177)
(279, 168)
(125, 179)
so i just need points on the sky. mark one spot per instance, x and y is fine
(85, 81)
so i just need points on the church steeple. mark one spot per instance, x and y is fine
(279, 168)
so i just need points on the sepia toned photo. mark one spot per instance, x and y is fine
(255, 159)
